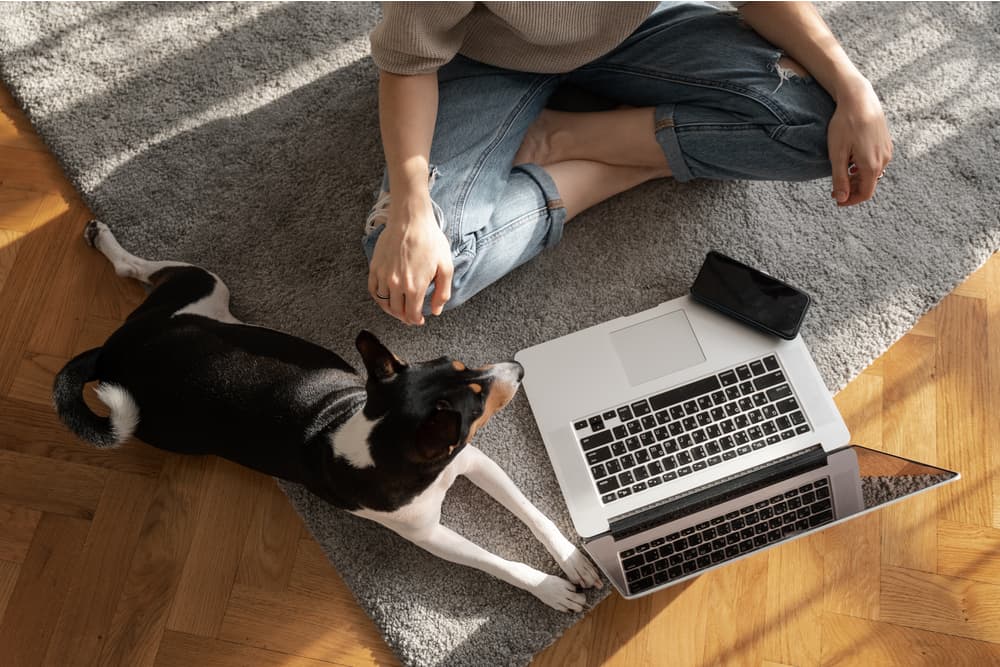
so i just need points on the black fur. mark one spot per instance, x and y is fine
(67, 394)
(271, 401)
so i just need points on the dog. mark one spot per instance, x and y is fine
(184, 375)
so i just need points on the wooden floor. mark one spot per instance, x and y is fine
(135, 557)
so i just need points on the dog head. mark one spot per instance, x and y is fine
(426, 412)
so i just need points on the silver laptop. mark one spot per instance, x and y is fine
(683, 440)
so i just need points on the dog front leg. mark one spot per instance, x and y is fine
(488, 476)
(445, 543)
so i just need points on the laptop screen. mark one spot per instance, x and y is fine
(852, 481)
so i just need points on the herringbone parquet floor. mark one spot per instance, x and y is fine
(135, 557)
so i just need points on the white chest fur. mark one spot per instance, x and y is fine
(424, 511)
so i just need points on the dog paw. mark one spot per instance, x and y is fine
(93, 228)
(580, 570)
(559, 594)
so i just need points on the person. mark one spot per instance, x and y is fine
(481, 175)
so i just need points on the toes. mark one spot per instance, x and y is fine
(91, 231)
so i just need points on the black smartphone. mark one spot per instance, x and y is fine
(750, 296)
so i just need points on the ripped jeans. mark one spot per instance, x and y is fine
(724, 110)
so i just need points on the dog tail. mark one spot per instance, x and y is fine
(67, 394)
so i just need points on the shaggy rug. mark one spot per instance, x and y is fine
(243, 137)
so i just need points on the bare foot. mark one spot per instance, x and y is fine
(537, 148)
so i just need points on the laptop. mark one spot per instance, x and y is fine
(683, 440)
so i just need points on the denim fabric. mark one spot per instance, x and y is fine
(723, 110)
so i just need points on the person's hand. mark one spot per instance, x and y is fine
(859, 144)
(411, 252)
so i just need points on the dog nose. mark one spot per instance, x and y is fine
(519, 369)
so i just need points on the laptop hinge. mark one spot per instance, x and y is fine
(719, 491)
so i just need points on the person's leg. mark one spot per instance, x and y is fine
(495, 216)
(709, 97)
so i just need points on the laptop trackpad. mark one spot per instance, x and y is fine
(656, 347)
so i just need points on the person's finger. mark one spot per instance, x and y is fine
(864, 187)
(839, 161)
(415, 302)
(442, 287)
(373, 290)
(396, 301)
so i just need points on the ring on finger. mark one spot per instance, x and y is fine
(380, 296)
(852, 169)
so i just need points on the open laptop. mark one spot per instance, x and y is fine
(683, 440)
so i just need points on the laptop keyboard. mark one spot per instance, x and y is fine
(657, 439)
(726, 537)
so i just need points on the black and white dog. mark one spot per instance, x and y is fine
(184, 375)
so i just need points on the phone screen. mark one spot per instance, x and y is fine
(750, 295)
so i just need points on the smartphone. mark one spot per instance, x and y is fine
(750, 296)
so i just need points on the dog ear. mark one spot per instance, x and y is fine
(380, 362)
(439, 434)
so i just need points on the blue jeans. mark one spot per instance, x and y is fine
(723, 110)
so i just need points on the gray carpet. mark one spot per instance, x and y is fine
(244, 138)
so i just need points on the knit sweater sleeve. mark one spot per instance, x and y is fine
(418, 37)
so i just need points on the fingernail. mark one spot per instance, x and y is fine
(839, 195)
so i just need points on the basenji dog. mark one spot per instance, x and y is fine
(184, 375)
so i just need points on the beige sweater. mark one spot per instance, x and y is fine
(549, 37)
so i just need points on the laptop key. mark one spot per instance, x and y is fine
(626, 477)
(610, 414)
(669, 477)
(648, 422)
(714, 460)
(596, 456)
(684, 471)
(607, 484)
(662, 417)
(684, 393)
(700, 465)
(608, 498)
(728, 378)
(582, 424)
(770, 363)
(596, 440)
(654, 481)
(632, 443)
(619, 431)
(596, 424)
(757, 368)
(641, 486)
(779, 392)
(624, 414)
(622, 493)
(598, 471)
(769, 380)
(640, 474)
(676, 412)
(640, 408)
(618, 448)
